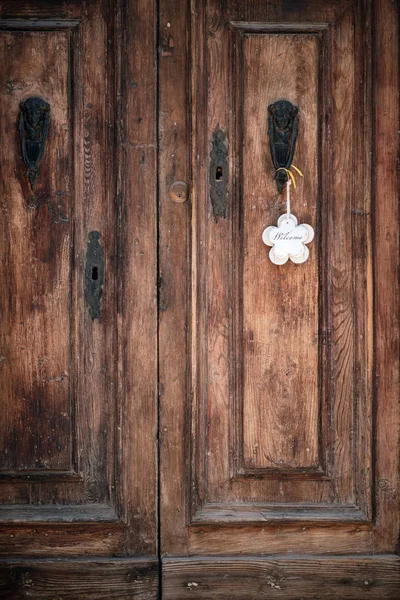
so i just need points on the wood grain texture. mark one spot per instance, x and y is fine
(280, 538)
(90, 346)
(321, 54)
(280, 304)
(237, 99)
(104, 501)
(339, 189)
(278, 513)
(363, 252)
(347, 577)
(316, 520)
(387, 300)
(90, 538)
(94, 210)
(35, 424)
(137, 276)
(107, 579)
(174, 230)
(36, 8)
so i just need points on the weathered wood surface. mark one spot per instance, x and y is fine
(280, 342)
(81, 397)
(248, 328)
(108, 579)
(89, 538)
(74, 405)
(280, 538)
(35, 247)
(309, 467)
(387, 297)
(243, 53)
(137, 274)
(174, 230)
(350, 578)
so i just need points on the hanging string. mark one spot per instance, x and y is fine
(292, 178)
(288, 184)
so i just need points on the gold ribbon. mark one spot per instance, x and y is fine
(291, 174)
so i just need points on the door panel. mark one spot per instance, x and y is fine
(36, 265)
(278, 381)
(272, 433)
(273, 348)
(78, 298)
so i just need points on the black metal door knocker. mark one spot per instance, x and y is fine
(34, 121)
(283, 127)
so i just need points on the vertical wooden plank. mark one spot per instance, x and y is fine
(386, 238)
(137, 276)
(215, 251)
(338, 179)
(93, 211)
(198, 150)
(173, 272)
(280, 304)
(363, 261)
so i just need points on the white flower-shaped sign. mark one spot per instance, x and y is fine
(288, 240)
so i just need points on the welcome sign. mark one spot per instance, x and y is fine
(288, 240)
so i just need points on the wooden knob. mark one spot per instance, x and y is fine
(179, 191)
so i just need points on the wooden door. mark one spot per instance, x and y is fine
(265, 399)
(279, 413)
(78, 301)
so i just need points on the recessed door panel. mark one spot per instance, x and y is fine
(35, 260)
(280, 404)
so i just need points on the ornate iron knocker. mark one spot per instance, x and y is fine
(34, 121)
(283, 126)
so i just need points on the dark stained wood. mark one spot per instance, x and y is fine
(212, 263)
(337, 537)
(387, 301)
(258, 405)
(35, 424)
(90, 537)
(119, 579)
(311, 488)
(339, 185)
(363, 252)
(137, 309)
(54, 513)
(279, 333)
(94, 210)
(35, 9)
(275, 513)
(74, 200)
(80, 473)
(240, 313)
(350, 577)
(174, 230)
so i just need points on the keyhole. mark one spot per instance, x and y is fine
(218, 174)
(95, 273)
